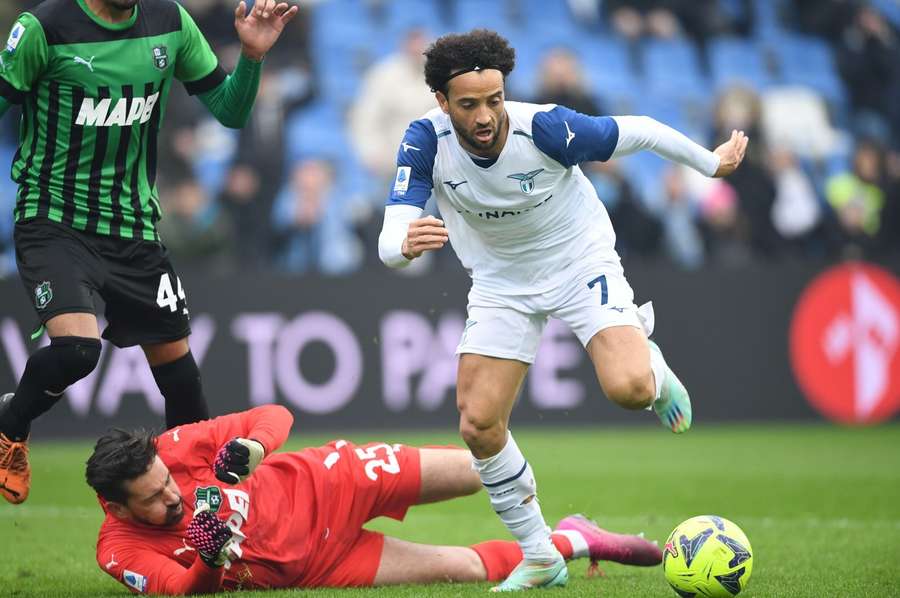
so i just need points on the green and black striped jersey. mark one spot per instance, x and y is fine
(93, 97)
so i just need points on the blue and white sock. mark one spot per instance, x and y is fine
(509, 480)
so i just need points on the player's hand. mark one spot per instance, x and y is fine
(731, 153)
(210, 536)
(424, 234)
(237, 459)
(260, 28)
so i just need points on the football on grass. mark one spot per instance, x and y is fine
(709, 557)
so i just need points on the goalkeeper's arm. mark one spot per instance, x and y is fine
(147, 571)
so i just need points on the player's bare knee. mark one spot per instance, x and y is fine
(634, 391)
(484, 435)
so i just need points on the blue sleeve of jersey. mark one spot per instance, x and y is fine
(571, 138)
(415, 165)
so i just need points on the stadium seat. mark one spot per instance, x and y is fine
(734, 61)
(475, 14)
(609, 70)
(317, 131)
(808, 61)
(767, 18)
(890, 9)
(402, 15)
(672, 69)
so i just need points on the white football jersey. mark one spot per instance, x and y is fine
(520, 222)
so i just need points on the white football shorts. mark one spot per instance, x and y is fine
(510, 326)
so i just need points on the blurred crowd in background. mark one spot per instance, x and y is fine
(301, 189)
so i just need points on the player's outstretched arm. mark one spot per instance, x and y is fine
(642, 133)
(144, 570)
(571, 138)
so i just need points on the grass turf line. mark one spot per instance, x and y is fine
(821, 506)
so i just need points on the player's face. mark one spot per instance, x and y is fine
(154, 498)
(474, 102)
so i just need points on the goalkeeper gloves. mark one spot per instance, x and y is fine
(210, 536)
(237, 459)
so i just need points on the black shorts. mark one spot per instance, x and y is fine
(63, 268)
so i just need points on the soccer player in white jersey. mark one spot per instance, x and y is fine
(529, 228)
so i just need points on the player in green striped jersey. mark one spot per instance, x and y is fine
(93, 78)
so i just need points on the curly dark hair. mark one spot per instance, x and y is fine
(119, 456)
(456, 52)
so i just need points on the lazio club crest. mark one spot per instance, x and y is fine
(208, 495)
(526, 181)
(160, 57)
(43, 294)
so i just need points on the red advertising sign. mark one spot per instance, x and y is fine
(845, 343)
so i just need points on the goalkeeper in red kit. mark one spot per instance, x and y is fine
(209, 506)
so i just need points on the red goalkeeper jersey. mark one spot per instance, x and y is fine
(289, 512)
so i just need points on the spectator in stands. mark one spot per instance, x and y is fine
(723, 226)
(310, 225)
(668, 19)
(858, 197)
(796, 212)
(824, 18)
(890, 217)
(195, 229)
(561, 81)
(258, 170)
(393, 94)
(638, 232)
(740, 108)
(681, 234)
(869, 62)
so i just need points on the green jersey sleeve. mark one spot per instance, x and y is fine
(23, 59)
(197, 66)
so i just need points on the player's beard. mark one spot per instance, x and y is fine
(175, 515)
(477, 144)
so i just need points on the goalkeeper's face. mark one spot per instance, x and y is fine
(154, 498)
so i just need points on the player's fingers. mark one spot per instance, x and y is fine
(240, 469)
(429, 239)
(431, 230)
(280, 9)
(269, 8)
(290, 14)
(241, 11)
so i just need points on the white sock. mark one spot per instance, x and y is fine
(659, 367)
(509, 481)
(576, 539)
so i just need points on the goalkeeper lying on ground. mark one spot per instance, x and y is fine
(206, 507)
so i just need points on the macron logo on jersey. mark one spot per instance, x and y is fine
(569, 134)
(123, 114)
(407, 147)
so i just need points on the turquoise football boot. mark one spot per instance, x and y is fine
(531, 575)
(673, 407)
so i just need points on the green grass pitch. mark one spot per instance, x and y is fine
(821, 506)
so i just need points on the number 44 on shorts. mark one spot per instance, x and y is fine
(165, 294)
